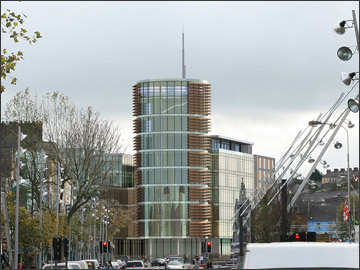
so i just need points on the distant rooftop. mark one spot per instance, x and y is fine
(230, 139)
(172, 79)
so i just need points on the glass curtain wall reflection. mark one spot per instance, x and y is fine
(165, 121)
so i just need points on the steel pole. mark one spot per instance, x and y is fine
(57, 200)
(17, 203)
(356, 29)
(94, 230)
(348, 179)
(40, 216)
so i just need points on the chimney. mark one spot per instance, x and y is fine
(342, 169)
(356, 169)
(336, 170)
(328, 171)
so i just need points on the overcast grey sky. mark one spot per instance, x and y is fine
(272, 65)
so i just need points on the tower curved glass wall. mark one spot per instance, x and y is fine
(172, 160)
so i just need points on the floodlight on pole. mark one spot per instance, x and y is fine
(344, 53)
(353, 105)
(337, 145)
(339, 28)
(349, 123)
(347, 78)
(311, 160)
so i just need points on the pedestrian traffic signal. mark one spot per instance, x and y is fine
(101, 246)
(57, 248)
(105, 246)
(208, 246)
(66, 247)
(109, 246)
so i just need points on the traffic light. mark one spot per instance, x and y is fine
(101, 246)
(304, 236)
(109, 246)
(105, 246)
(311, 236)
(66, 247)
(208, 246)
(57, 248)
(300, 236)
(203, 246)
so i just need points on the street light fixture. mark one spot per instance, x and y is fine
(344, 53)
(347, 78)
(311, 160)
(340, 28)
(353, 105)
(337, 145)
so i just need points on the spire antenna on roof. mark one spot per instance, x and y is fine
(183, 55)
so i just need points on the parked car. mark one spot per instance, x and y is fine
(71, 265)
(124, 258)
(171, 258)
(158, 262)
(135, 265)
(175, 264)
(52, 266)
(83, 264)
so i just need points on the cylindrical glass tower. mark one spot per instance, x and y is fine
(172, 159)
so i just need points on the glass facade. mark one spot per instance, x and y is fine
(233, 169)
(232, 164)
(162, 121)
(119, 170)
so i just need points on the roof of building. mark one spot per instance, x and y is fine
(341, 172)
(172, 79)
(323, 212)
(231, 139)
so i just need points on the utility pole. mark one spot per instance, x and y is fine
(7, 229)
(284, 215)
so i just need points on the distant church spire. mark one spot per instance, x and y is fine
(183, 55)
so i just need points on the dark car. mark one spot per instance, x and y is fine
(124, 258)
(158, 262)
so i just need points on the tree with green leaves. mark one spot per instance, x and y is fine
(12, 26)
(265, 220)
(30, 232)
(316, 176)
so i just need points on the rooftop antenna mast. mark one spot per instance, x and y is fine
(183, 55)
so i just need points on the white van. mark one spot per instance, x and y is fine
(71, 265)
(301, 255)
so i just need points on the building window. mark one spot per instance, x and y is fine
(148, 125)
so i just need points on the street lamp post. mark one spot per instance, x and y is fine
(16, 253)
(315, 123)
(40, 206)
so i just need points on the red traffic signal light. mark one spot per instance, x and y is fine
(297, 236)
(105, 243)
(208, 246)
